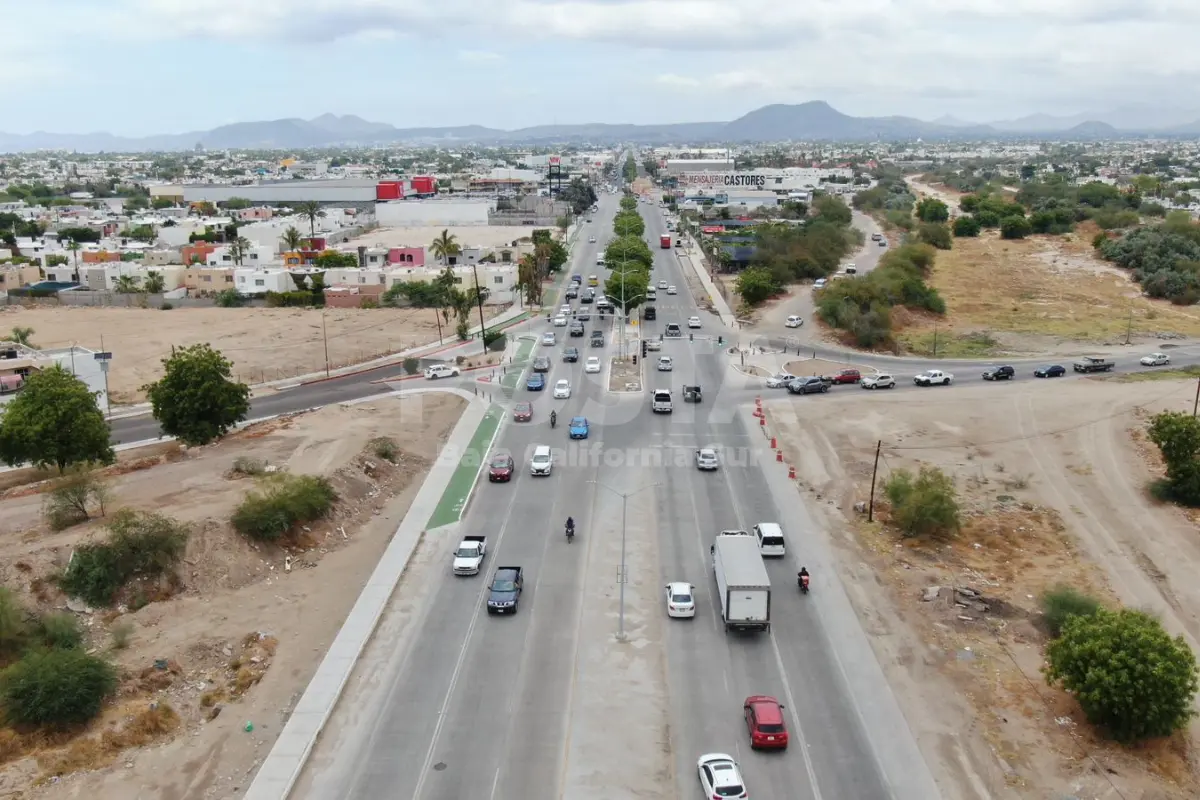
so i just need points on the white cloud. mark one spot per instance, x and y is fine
(678, 81)
(479, 56)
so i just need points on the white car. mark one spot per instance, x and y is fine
(706, 459)
(560, 322)
(720, 777)
(671, 290)
(440, 371)
(591, 240)
(693, 322)
(653, 344)
(780, 380)
(681, 602)
(592, 364)
(880, 381)
(565, 309)
(662, 284)
(794, 321)
(665, 364)
(819, 283)
(562, 389)
(1156, 360)
(548, 339)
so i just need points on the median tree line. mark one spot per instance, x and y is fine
(788, 252)
(628, 258)
(1132, 679)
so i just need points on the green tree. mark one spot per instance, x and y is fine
(155, 283)
(627, 287)
(310, 210)
(629, 203)
(196, 400)
(143, 233)
(23, 336)
(239, 248)
(629, 223)
(237, 204)
(1130, 677)
(932, 210)
(445, 247)
(1177, 436)
(756, 285)
(528, 282)
(628, 248)
(936, 234)
(966, 227)
(126, 284)
(81, 235)
(54, 421)
(832, 209)
(56, 688)
(332, 259)
(291, 239)
(1015, 227)
(925, 504)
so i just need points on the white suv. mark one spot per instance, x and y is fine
(542, 461)
(440, 371)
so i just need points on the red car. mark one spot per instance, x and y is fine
(501, 468)
(764, 719)
(847, 376)
(523, 412)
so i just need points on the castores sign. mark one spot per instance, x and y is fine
(745, 180)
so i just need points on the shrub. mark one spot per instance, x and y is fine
(74, 498)
(1064, 602)
(121, 633)
(287, 501)
(1130, 677)
(924, 505)
(229, 298)
(385, 448)
(140, 544)
(936, 234)
(966, 227)
(368, 302)
(166, 306)
(60, 631)
(247, 465)
(54, 688)
(411, 365)
(14, 625)
(495, 340)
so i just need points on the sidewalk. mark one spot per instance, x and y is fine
(693, 258)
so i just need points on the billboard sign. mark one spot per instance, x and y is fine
(744, 180)
(555, 159)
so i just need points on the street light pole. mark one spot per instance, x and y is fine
(623, 575)
(479, 296)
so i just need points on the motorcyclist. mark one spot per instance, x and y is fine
(570, 523)
(802, 577)
(553, 419)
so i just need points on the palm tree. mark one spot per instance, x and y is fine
(292, 239)
(541, 254)
(74, 247)
(444, 247)
(312, 210)
(527, 280)
(22, 336)
(155, 283)
(238, 249)
(126, 284)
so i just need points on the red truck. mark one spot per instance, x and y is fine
(664, 241)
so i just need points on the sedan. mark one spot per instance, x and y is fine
(819, 283)
(541, 364)
(764, 721)
(671, 290)
(665, 364)
(780, 380)
(579, 428)
(794, 321)
(562, 389)
(662, 284)
(1155, 360)
(500, 470)
(536, 382)
(1055, 371)
(681, 601)
(693, 322)
(720, 777)
(592, 364)
(522, 412)
(548, 338)
(571, 354)
(591, 240)
(559, 322)
(706, 459)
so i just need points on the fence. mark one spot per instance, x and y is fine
(87, 298)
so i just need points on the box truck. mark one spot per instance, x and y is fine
(742, 582)
(664, 241)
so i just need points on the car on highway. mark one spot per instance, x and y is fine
(1002, 373)
(578, 428)
(880, 380)
(542, 462)
(1155, 360)
(764, 721)
(672, 330)
(560, 321)
(819, 283)
(780, 380)
(693, 322)
(588, 297)
(883, 242)
(576, 328)
(706, 459)
(933, 377)
(1050, 371)
(597, 339)
(665, 364)
(536, 382)
(591, 240)
(571, 354)
(846, 376)
(576, 279)
(794, 321)
(681, 600)
(522, 412)
(501, 467)
(592, 364)
(583, 315)
(541, 364)
(720, 777)
(572, 293)
(662, 284)
(562, 389)
(549, 339)
(432, 373)
(504, 595)
(653, 345)
(809, 385)
(671, 289)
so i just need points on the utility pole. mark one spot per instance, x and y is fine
(325, 340)
(1196, 405)
(1129, 327)
(479, 295)
(623, 570)
(875, 471)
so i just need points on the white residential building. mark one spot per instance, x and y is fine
(254, 256)
(249, 281)
(500, 280)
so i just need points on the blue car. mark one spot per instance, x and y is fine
(579, 428)
(536, 382)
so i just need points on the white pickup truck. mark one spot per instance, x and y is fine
(660, 401)
(933, 377)
(468, 558)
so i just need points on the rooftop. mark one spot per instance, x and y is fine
(466, 236)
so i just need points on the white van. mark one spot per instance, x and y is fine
(542, 462)
(770, 539)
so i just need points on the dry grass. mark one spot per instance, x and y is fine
(153, 721)
(1051, 286)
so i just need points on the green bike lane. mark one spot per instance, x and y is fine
(458, 491)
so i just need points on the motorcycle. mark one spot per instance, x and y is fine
(802, 582)
(570, 535)
(553, 419)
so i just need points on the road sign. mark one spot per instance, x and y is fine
(102, 356)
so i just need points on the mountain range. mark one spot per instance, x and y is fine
(813, 121)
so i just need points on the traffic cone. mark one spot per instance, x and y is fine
(791, 472)
(762, 420)
(773, 445)
(779, 456)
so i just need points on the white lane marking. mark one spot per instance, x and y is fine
(791, 705)
(495, 784)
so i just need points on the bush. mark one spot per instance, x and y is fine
(368, 302)
(288, 501)
(14, 625)
(1064, 602)
(246, 465)
(495, 340)
(936, 234)
(121, 632)
(60, 631)
(924, 505)
(140, 544)
(55, 688)
(1015, 228)
(385, 448)
(1130, 677)
(166, 306)
(411, 365)
(229, 298)
(74, 498)
(966, 227)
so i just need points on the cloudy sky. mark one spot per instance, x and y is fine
(135, 67)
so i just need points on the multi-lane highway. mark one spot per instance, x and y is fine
(480, 707)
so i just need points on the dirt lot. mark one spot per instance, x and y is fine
(264, 344)
(1038, 295)
(238, 640)
(1052, 478)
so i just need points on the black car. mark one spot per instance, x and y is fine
(1055, 371)
(541, 364)
(1000, 373)
(583, 315)
(587, 298)
(649, 312)
(576, 328)
(597, 338)
(810, 385)
(572, 293)
(505, 591)
(571, 354)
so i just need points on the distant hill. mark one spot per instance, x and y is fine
(812, 121)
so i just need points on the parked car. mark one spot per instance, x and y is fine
(1052, 371)
(879, 381)
(1003, 373)
(432, 373)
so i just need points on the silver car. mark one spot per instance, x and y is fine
(706, 459)
(780, 380)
